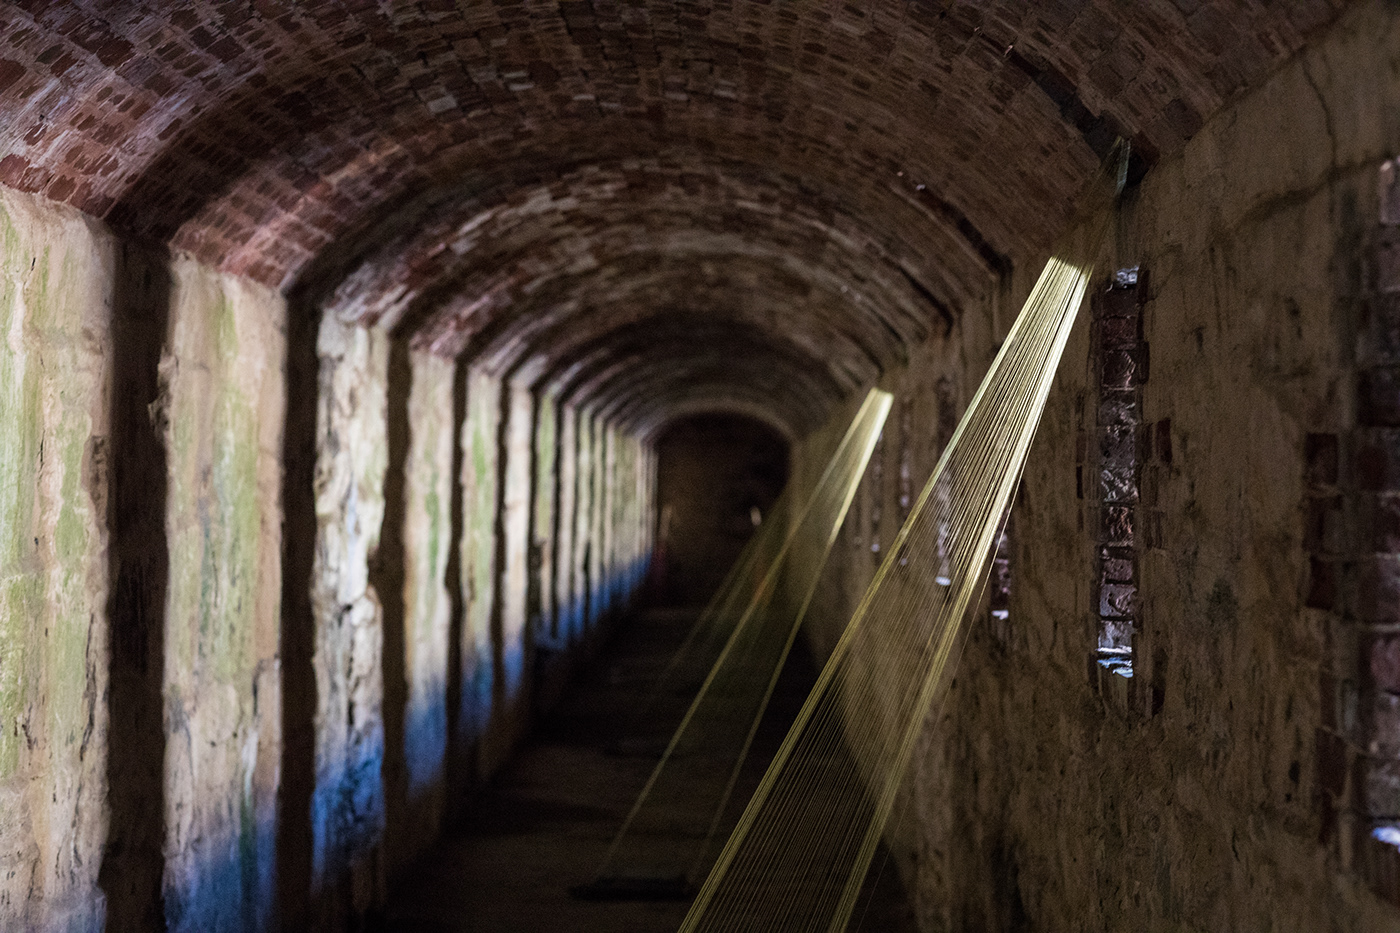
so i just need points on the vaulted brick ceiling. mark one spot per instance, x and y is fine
(657, 205)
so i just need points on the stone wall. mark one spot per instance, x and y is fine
(271, 587)
(56, 293)
(221, 411)
(347, 805)
(1232, 782)
(427, 630)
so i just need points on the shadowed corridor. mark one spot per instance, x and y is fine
(352, 353)
(544, 823)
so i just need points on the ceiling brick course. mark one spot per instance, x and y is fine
(339, 147)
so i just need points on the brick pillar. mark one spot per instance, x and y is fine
(1117, 479)
(1352, 535)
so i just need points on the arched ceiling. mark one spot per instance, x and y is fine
(655, 206)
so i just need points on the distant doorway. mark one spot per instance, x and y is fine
(718, 475)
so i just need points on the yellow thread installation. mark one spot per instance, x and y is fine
(689, 664)
(800, 852)
(666, 838)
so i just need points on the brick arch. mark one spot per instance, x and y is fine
(658, 291)
(639, 371)
(338, 143)
(443, 245)
(871, 321)
(300, 117)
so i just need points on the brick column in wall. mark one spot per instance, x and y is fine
(1352, 535)
(1117, 477)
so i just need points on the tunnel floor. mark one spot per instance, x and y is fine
(544, 824)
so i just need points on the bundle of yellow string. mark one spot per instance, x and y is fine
(800, 852)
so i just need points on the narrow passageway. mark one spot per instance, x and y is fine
(545, 823)
(367, 365)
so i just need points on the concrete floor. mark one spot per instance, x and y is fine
(545, 823)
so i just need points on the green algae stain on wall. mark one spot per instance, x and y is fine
(47, 390)
(224, 356)
(215, 508)
(427, 525)
(479, 496)
(55, 288)
(21, 588)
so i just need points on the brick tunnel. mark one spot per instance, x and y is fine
(344, 341)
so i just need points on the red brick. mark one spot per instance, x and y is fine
(286, 141)
(1388, 188)
(1375, 589)
(10, 72)
(1388, 262)
(1380, 658)
(1378, 786)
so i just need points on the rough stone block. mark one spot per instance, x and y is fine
(1116, 635)
(1118, 465)
(1118, 569)
(1120, 332)
(1119, 407)
(1117, 525)
(1123, 303)
(1117, 600)
(1126, 369)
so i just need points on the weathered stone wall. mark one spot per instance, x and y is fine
(56, 294)
(144, 404)
(427, 543)
(347, 810)
(539, 601)
(222, 414)
(479, 484)
(568, 609)
(1221, 787)
(596, 551)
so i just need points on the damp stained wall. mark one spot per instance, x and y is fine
(427, 543)
(222, 413)
(584, 544)
(146, 534)
(539, 603)
(347, 809)
(479, 484)
(567, 609)
(56, 284)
